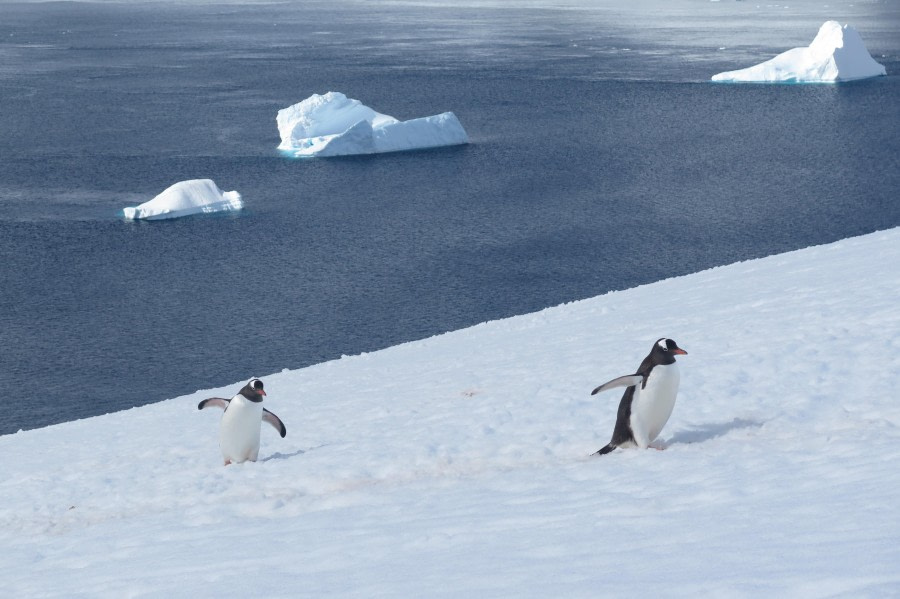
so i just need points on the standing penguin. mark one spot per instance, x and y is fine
(648, 401)
(239, 430)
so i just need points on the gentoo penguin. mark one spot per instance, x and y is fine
(648, 401)
(239, 430)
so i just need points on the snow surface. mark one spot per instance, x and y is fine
(836, 54)
(332, 124)
(195, 196)
(457, 466)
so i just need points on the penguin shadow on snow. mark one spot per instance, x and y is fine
(283, 456)
(707, 432)
(286, 456)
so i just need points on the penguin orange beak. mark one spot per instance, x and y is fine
(262, 392)
(679, 351)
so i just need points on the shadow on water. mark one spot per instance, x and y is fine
(707, 432)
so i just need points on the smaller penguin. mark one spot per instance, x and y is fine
(239, 429)
(648, 400)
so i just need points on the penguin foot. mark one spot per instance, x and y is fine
(227, 462)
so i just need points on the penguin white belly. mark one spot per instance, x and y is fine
(652, 405)
(239, 431)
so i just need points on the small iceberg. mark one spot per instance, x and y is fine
(837, 54)
(196, 196)
(334, 125)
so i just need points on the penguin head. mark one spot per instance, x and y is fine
(665, 350)
(253, 390)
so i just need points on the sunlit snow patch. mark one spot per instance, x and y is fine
(196, 196)
(837, 54)
(334, 125)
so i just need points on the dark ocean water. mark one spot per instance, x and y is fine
(601, 159)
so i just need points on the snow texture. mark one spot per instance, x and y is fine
(334, 125)
(196, 196)
(836, 54)
(457, 466)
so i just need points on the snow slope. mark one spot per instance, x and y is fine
(332, 124)
(195, 196)
(836, 54)
(458, 465)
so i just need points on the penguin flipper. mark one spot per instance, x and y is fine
(629, 380)
(275, 421)
(214, 402)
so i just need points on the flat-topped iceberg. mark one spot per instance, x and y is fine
(196, 196)
(334, 125)
(837, 54)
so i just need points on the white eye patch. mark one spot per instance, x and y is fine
(662, 344)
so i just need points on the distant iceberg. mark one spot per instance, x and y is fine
(196, 196)
(837, 54)
(334, 125)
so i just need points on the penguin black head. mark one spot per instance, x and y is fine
(665, 350)
(253, 390)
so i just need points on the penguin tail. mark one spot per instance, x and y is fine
(605, 450)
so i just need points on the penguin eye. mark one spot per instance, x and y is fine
(664, 344)
(257, 384)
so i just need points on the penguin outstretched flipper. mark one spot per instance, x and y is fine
(214, 402)
(275, 421)
(629, 380)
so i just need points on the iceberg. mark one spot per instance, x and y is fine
(332, 124)
(196, 196)
(836, 54)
